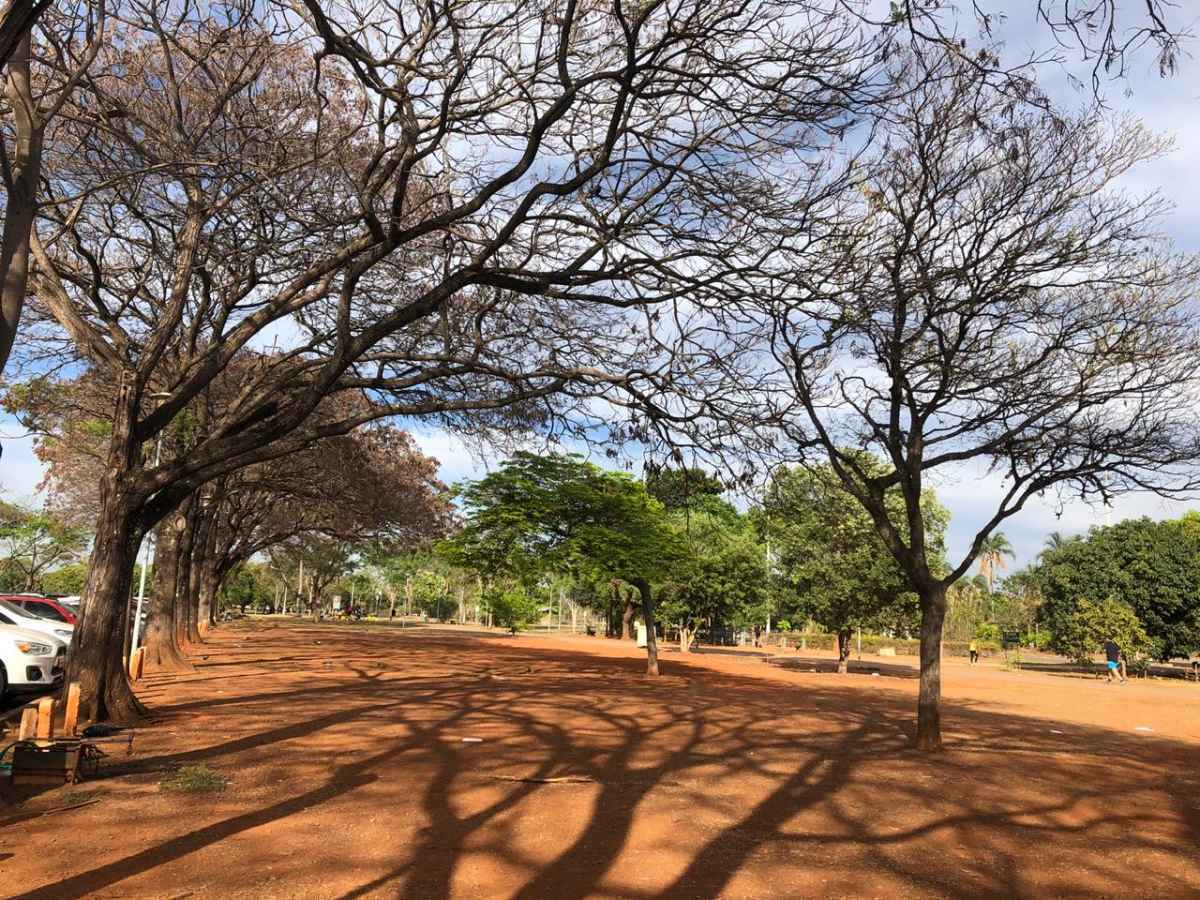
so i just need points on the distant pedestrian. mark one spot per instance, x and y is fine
(1112, 654)
(973, 649)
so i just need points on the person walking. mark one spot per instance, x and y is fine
(1112, 653)
(973, 649)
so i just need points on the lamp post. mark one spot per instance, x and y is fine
(141, 599)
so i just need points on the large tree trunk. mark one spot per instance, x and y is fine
(26, 167)
(643, 587)
(16, 23)
(205, 596)
(929, 702)
(686, 637)
(196, 577)
(162, 650)
(96, 662)
(843, 639)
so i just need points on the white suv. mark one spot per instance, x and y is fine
(11, 614)
(30, 660)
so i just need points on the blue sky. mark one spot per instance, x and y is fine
(1169, 106)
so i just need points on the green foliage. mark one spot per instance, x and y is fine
(1154, 567)
(992, 554)
(248, 585)
(68, 579)
(511, 607)
(722, 575)
(1038, 640)
(1082, 633)
(33, 542)
(683, 488)
(989, 631)
(829, 556)
(430, 593)
(540, 514)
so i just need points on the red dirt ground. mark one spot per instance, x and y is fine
(725, 777)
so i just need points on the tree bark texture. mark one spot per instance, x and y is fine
(96, 658)
(843, 639)
(929, 701)
(26, 167)
(162, 650)
(627, 621)
(183, 574)
(643, 587)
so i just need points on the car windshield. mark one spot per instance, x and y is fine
(44, 611)
(9, 607)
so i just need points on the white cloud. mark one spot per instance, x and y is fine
(972, 496)
(20, 470)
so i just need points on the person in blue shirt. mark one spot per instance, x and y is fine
(1112, 654)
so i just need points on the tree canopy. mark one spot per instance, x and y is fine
(829, 554)
(1153, 567)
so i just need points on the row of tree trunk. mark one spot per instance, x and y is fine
(186, 580)
(190, 564)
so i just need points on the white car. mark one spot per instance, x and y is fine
(11, 614)
(30, 660)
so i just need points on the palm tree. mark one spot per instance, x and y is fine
(991, 557)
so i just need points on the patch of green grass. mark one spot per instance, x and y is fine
(73, 796)
(199, 779)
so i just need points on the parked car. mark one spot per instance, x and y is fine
(71, 602)
(42, 607)
(11, 614)
(30, 660)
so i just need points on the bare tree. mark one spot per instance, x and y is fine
(370, 485)
(989, 300)
(1108, 33)
(391, 228)
(36, 88)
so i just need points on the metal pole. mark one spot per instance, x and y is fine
(137, 615)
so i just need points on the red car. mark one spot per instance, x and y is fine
(42, 607)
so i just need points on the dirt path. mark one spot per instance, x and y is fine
(725, 777)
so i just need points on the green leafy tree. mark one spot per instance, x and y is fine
(1082, 633)
(722, 578)
(682, 488)
(1154, 567)
(511, 606)
(827, 551)
(248, 585)
(34, 542)
(430, 593)
(992, 553)
(67, 580)
(540, 514)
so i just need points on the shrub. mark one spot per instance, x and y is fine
(1082, 634)
(1039, 640)
(989, 631)
(511, 608)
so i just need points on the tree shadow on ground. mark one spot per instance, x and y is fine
(736, 784)
(856, 666)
